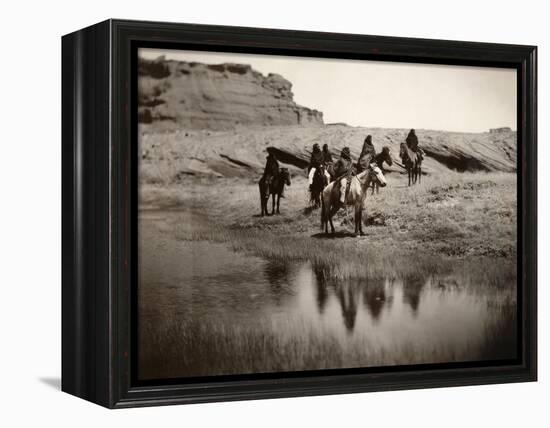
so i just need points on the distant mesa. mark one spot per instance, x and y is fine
(177, 94)
(337, 124)
(500, 130)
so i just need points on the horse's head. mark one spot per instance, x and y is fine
(376, 175)
(386, 156)
(285, 175)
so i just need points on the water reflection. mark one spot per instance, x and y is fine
(277, 274)
(375, 293)
(207, 282)
(347, 294)
(374, 297)
(412, 290)
(321, 289)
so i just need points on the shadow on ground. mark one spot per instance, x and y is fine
(335, 235)
(52, 382)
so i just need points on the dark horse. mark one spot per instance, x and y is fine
(273, 188)
(319, 183)
(412, 162)
(379, 159)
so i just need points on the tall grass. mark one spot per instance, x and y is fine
(193, 348)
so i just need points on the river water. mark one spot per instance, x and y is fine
(208, 282)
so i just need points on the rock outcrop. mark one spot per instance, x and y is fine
(503, 129)
(241, 153)
(189, 95)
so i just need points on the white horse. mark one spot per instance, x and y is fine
(330, 201)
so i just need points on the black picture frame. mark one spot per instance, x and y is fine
(99, 217)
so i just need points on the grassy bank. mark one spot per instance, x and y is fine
(434, 224)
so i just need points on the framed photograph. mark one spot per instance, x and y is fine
(253, 213)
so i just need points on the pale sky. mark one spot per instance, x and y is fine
(385, 94)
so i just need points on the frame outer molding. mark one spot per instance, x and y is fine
(86, 321)
(96, 215)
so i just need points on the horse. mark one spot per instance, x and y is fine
(329, 167)
(330, 202)
(317, 186)
(379, 159)
(274, 188)
(412, 162)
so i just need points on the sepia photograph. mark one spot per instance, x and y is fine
(299, 214)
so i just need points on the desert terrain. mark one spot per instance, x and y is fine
(204, 133)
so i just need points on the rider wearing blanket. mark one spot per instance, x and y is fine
(271, 170)
(316, 161)
(327, 157)
(343, 171)
(367, 155)
(412, 143)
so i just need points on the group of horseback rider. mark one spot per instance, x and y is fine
(343, 169)
(319, 159)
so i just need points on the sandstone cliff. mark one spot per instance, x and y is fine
(189, 95)
(169, 156)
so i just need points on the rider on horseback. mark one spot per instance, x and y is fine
(343, 170)
(412, 143)
(316, 161)
(271, 170)
(367, 155)
(327, 157)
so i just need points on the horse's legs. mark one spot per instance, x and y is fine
(261, 199)
(419, 173)
(262, 205)
(358, 220)
(272, 203)
(331, 213)
(278, 202)
(361, 221)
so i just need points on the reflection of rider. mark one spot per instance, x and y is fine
(343, 170)
(367, 155)
(316, 161)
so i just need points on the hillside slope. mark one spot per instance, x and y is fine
(166, 156)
